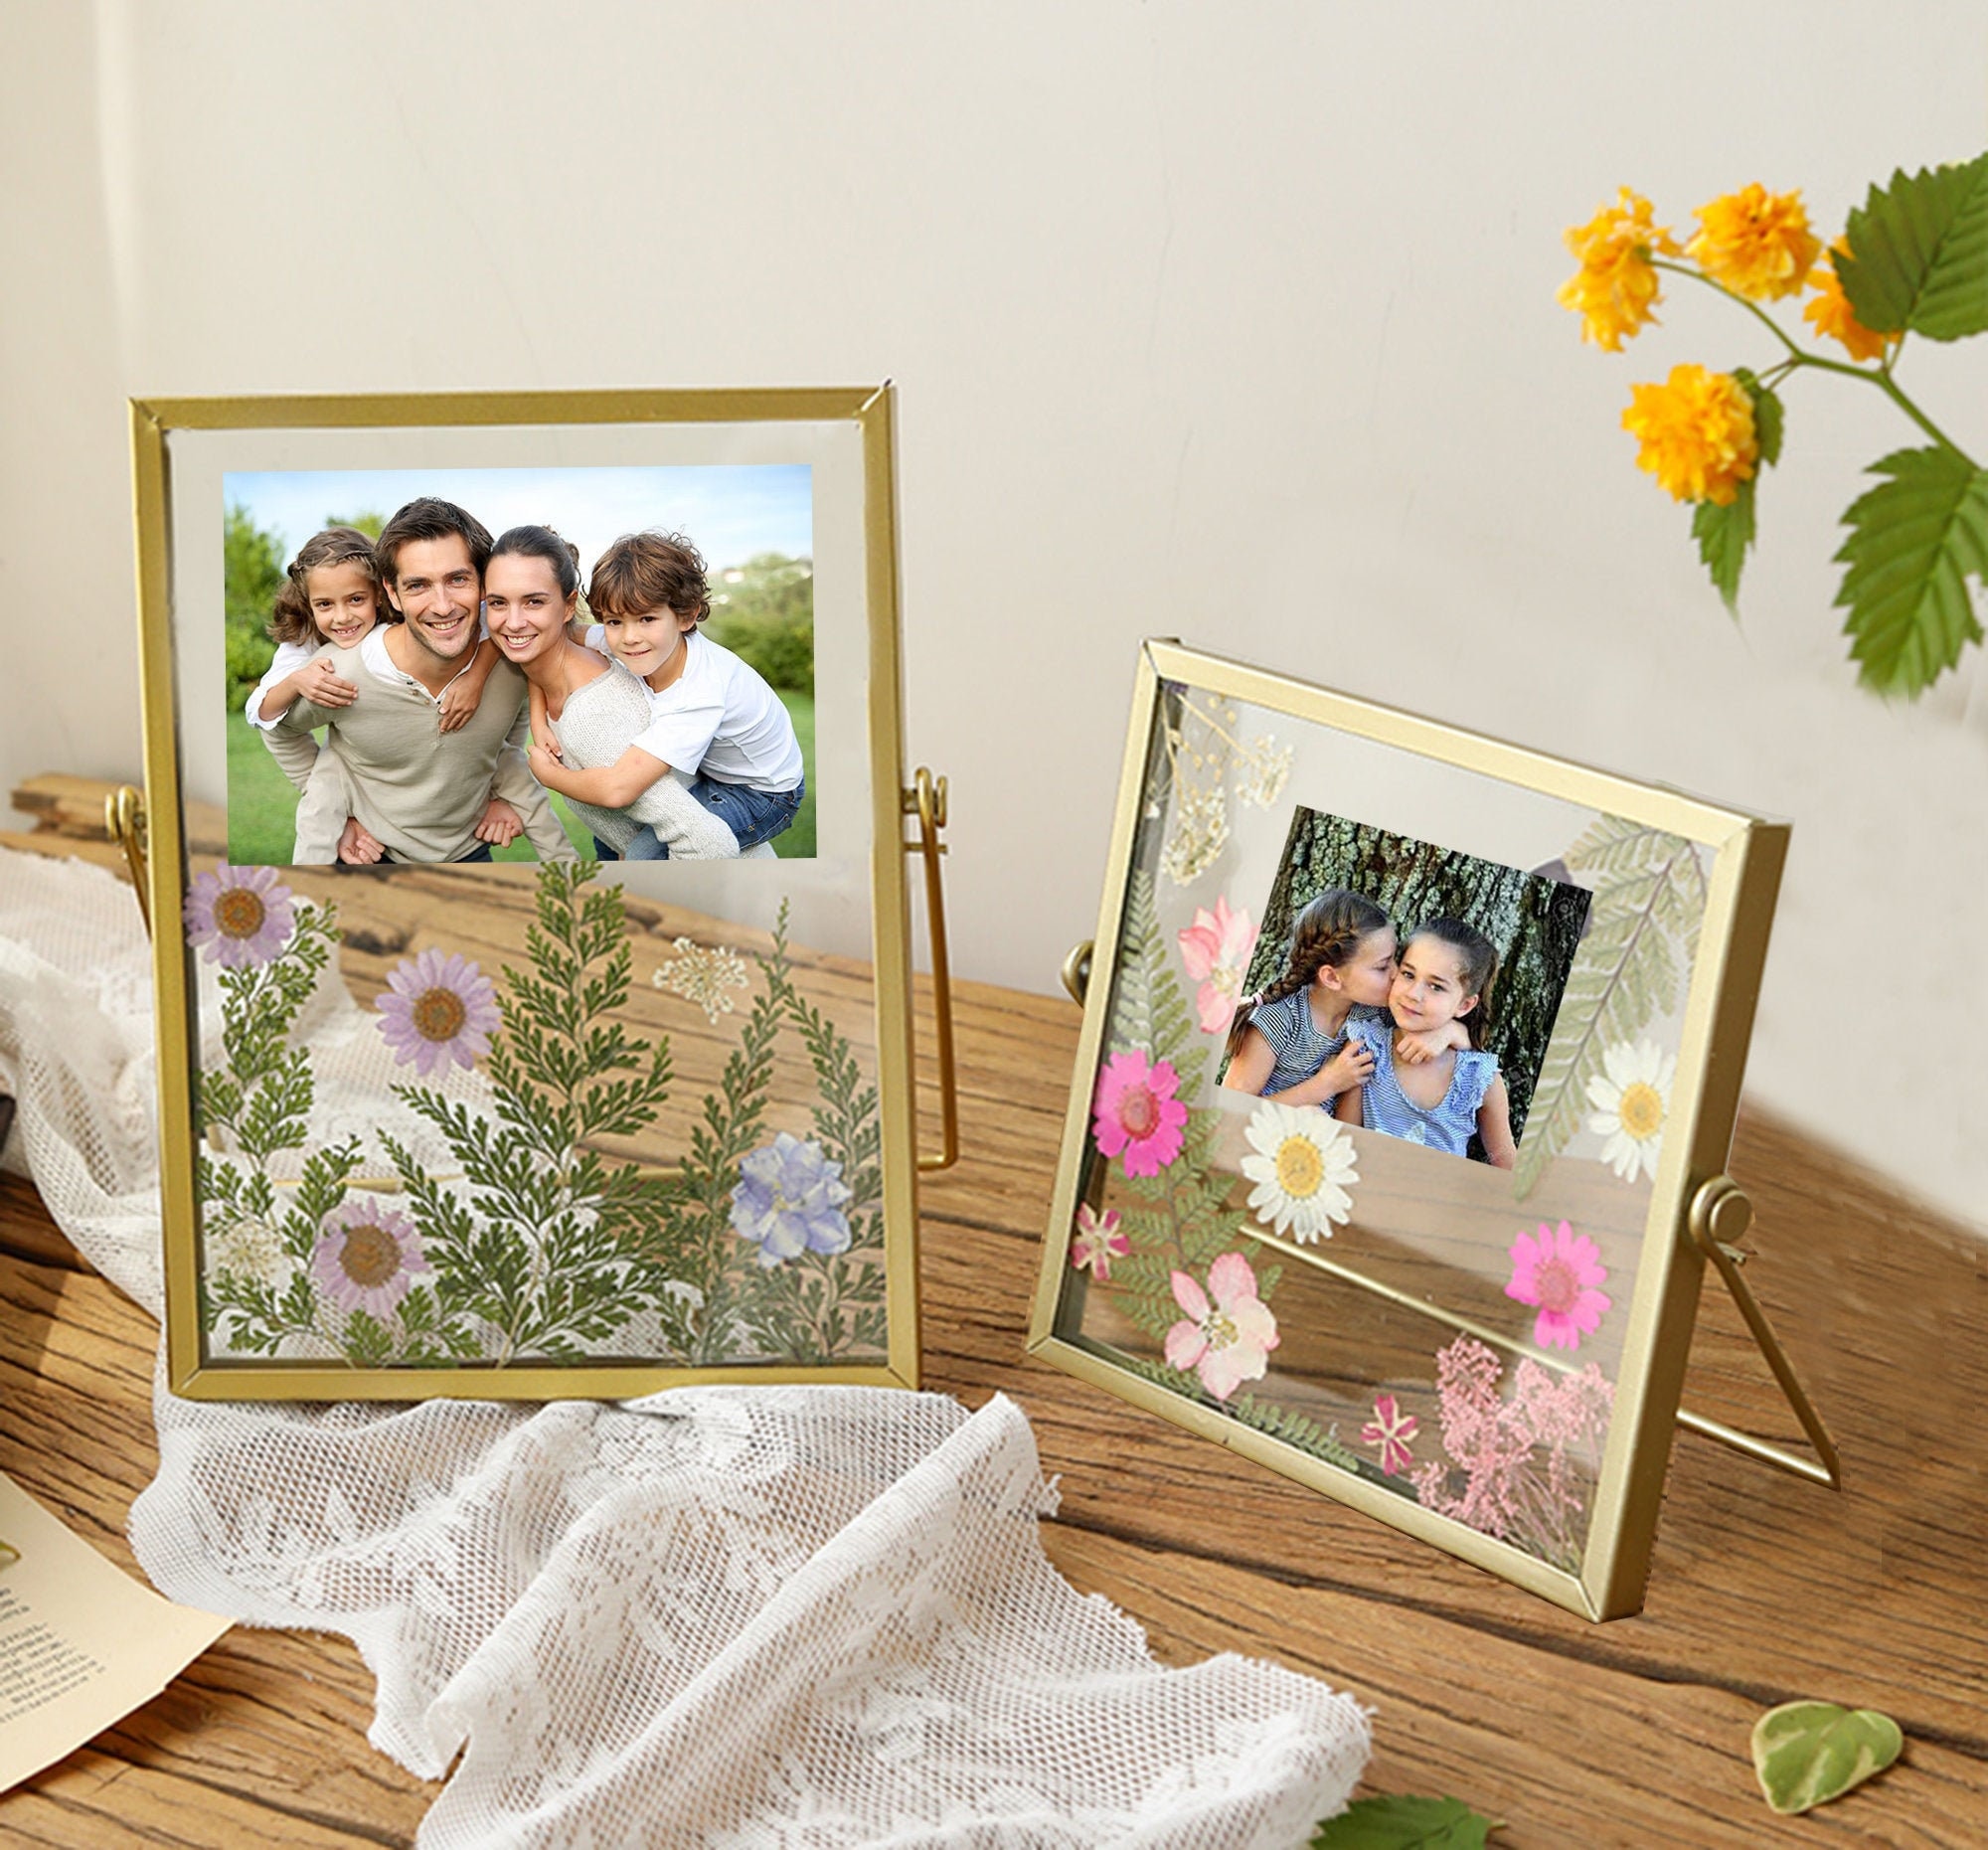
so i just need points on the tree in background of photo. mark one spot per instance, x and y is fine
(1535, 922)
(764, 613)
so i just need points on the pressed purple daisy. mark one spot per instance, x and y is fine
(437, 1008)
(240, 915)
(367, 1257)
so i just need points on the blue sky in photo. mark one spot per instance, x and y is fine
(730, 511)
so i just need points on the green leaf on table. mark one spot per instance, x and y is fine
(1400, 1823)
(1809, 1753)
(1915, 542)
(1919, 254)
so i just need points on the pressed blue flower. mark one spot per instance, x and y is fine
(790, 1201)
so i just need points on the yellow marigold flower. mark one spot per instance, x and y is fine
(1755, 242)
(1830, 312)
(1696, 433)
(1616, 290)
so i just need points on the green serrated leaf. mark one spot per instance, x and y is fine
(1770, 415)
(1725, 536)
(1403, 1823)
(1919, 254)
(1809, 1753)
(1915, 542)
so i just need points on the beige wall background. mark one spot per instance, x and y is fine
(1230, 323)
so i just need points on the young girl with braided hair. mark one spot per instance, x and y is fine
(331, 593)
(1445, 980)
(1291, 1044)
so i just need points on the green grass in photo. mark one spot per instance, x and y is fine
(262, 803)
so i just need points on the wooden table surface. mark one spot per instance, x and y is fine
(1765, 1588)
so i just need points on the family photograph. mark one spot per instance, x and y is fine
(439, 667)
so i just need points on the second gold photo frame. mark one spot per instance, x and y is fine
(1395, 1150)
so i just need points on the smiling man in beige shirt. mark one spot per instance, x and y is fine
(419, 793)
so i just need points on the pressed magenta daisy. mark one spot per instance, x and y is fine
(437, 1008)
(241, 917)
(1135, 1113)
(1562, 1272)
(367, 1257)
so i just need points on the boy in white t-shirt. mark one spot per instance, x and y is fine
(712, 718)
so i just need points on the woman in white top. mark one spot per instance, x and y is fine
(587, 705)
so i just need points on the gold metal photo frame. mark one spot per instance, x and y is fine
(575, 1121)
(1397, 1140)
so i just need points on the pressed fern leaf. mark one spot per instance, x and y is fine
(1649, 901)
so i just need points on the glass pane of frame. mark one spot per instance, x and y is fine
(1392, 1091)
(631, 1101)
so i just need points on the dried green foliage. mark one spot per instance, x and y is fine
(534, 1243)
(1178, 1220)
(1649, 901)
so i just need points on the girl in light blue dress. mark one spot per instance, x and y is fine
(1293, 1043)
(1445, 975)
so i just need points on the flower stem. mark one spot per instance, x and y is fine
(1800, 357)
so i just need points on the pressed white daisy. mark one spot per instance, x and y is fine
(1304, 1161)
(1631, 1099)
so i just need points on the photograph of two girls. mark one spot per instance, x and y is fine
(429, 686)
(1405, 988)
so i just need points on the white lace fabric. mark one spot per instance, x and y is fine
(753, 1618)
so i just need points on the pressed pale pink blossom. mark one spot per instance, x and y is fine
(1516, 1466)
(242, 915)
(366, 1256)
(1136, 1116)
(1393, 1430)
(1226, 1342)
(1098, 1242)
(1215, 950)
(1562, 1272)
(436, 1009)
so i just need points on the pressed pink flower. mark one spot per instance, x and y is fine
(366, 1256)
(1562, 1272)
(1137, 1114)
(437, 1008)
(1216, 949)
(1098, 1242)
(242, 914)
(1517, 1468)
(1226, 1341)
(1391, 1431)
